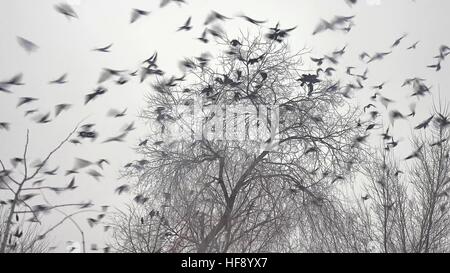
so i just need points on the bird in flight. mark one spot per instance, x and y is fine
(136, 14)
(187, 25)
(27, 45)
(105, 49)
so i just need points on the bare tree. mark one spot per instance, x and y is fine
(214, 194)
(24, 187)
(403, 204)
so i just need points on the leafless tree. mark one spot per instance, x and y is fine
(212, 194)
(24, 188)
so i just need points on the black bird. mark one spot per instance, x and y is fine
(366, 197)
(30, 112)
(88, 134)
(107, 73)
(424, 124)
(415, 154)
(253, 21)
(60, 80)
(101, 162)
(439, 143)
(368, 106)
(44, 118)
(61, 107)
(278, 34)
(386, 135)
(187, 25)
(66, 10)
(121, 189)
(394, 115)
(213, 16)
(143, 143)
(52, 172)
(379, 87)
(116, 113)
(28, 45)
(16, 80)
(25, 100)
(140, 199)
(412, 108)
(94, 174)
(359, 139)
(99, 91)
(71, 185)
(119, 138)
(413, 46)
(105, 49)
(203, 38)
(3, 89)
(166, 2)
(443, 121)
(136, 14)
(437, 66)
(379, 56)
(370, 127)
(399, 40)
(318, 61)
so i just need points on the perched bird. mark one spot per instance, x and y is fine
(140, 199)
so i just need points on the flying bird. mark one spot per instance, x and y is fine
(213, 16)
(137, 13)
(61, 107)
(187, 25)
(60, 80)
(66, 10)
(251, 20)
(425, 123)
(27, 45)
(105, 49)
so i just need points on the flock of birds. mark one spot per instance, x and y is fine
(326, 65)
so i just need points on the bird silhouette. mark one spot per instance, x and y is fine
(187, 25)
(66, 10)
(27, 45)
(105, 49)
(60, 80)
(136, 14)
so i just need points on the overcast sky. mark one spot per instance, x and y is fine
(65, 46)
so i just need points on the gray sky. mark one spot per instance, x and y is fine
(65, 46)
